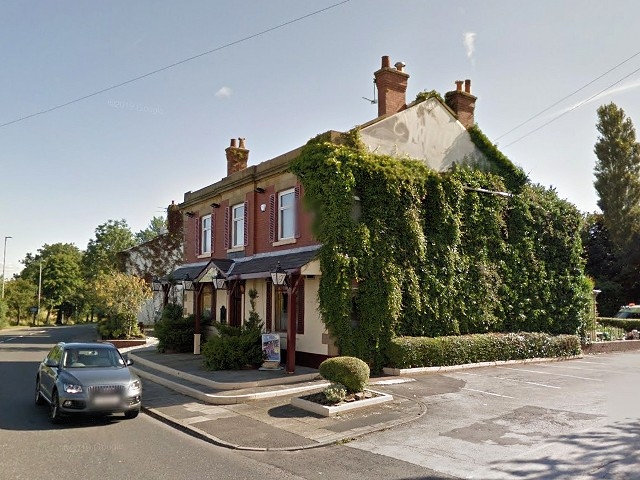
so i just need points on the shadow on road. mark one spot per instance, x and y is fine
(607, 451)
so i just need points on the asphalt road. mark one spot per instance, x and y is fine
(142, 448)
(577, 419)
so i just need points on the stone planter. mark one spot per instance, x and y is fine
(126, 343)
(329, 411)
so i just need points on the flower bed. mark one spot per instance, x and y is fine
(318, 403)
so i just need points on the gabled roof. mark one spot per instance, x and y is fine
(261, 265)
(256, 266)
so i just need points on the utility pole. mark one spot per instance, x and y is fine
(4, 262)
(39, 285)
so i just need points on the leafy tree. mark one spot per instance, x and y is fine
(603, 264)
(20, 295)
(617, 173)
(157, 226)
(121, 297)
(62, 279)
(101, 256)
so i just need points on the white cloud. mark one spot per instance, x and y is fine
(469, 40)
(224, 92)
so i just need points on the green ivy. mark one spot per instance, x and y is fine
(407, 251)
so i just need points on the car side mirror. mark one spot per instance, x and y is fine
(128, 361)
(51, 363)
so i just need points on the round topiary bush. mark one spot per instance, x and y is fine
(351, 372)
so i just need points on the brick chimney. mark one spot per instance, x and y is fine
(392, 87)
(174, 220)
(237, 156)
(462, 103)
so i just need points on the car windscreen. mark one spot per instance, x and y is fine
(92, 358)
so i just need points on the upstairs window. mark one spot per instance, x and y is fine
(205, 234)
(237, 225)
(286, 214)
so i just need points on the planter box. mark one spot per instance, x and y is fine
(126, 343)
(329, 411)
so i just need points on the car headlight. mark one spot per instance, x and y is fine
(72, 388)
(134, 386)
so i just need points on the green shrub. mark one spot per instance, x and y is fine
(234, 348)
(335, 393)
(627, 324)
(116, 327)
(175, 332)
(408, 352)
(351, 372)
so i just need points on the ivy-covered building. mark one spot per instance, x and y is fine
(419, 226)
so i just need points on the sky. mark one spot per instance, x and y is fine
(277, 73)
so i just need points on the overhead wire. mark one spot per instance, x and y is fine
(578, 105)
(568, 96)
(173, 65)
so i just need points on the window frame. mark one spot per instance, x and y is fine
(237, 223)
(286, 210)
(204, 233)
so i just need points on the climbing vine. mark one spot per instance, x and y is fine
(410, 251)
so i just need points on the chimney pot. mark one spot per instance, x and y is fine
(237, 157)
(462, 103)
(392, 87)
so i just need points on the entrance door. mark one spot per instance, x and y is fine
(235, 319)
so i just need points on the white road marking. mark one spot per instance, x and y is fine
(550, 373)
(587, 369)
(393, 381)
(594, 363)
(512, 380)
(487, 393)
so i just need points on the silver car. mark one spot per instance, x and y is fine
(87, 378)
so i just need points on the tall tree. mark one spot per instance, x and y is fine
(617, 173)
(20, 295)
(62, 280)
(101, 256)
(157, 226)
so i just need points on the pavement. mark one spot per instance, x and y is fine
(251, 409)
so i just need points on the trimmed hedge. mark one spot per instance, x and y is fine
(351, 372)
(626, 324)
(408, 352)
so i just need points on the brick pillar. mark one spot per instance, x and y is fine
(462, 103)
(391, 83)
(237, 156)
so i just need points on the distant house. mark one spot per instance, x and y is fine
(249, 223)
(156, 259)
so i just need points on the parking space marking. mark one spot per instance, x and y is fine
(512, 380)
(587, 369)
(487, 393)
(594, 363)
(551, 373)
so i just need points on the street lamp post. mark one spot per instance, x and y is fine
(4, 261)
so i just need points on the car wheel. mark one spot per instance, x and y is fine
(39, 399)
(131, 413)
(54, 409)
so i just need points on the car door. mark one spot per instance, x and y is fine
(48, 374)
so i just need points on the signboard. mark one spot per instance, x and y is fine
(271, 347)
